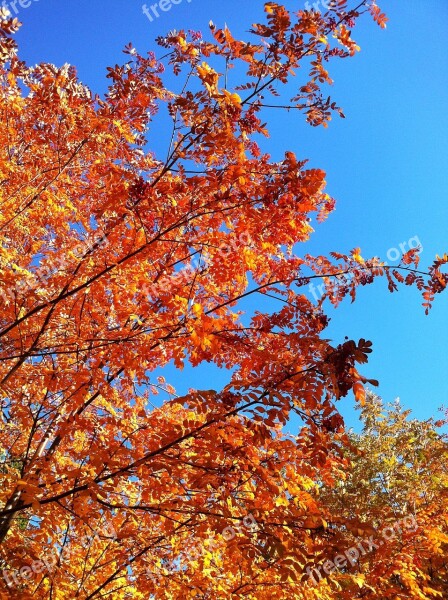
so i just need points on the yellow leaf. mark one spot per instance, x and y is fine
(197, 309)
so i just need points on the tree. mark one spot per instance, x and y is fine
(392, 507)
(114, 263)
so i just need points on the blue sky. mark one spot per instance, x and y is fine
(386, 163)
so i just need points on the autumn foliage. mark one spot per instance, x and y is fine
(116, 262)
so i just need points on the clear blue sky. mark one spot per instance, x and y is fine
(386, 162)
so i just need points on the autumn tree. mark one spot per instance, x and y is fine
(396, 491)
(115, 262)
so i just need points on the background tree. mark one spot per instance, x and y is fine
(115, 262)
(395, 490)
